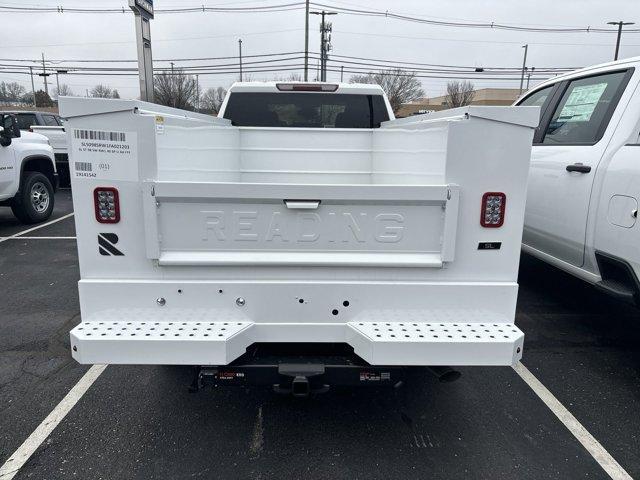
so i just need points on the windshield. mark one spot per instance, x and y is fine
(306, 110)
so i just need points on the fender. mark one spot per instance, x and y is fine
(51, 173)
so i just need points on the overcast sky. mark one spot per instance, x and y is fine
(72, 37)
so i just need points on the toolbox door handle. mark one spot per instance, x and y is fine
(302, 204)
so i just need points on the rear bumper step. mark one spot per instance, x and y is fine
(219, 343)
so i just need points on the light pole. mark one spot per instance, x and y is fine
(33, 87)
(620, 24)
(143, 12)
(240, 56)
(306, 41)
(524, 65)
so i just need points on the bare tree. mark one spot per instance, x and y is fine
(103, 91)
(176, 89)
(399, 85)
(15, 91)
(459, 93)
(212, 99)
(11, 91)
(64, 91)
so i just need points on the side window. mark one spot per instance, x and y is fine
(25, 120)
(379, 110)
(540, 98)
(584, 110)
(50, 120)
(537, 99)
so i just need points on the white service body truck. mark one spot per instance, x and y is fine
(584, 183)
(303, 221)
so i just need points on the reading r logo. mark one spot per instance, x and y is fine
(106, 244)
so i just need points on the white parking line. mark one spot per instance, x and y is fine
(4, 239)
(597, 451)
(39, 435)
(37, 238)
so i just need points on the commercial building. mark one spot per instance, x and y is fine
(483, 96)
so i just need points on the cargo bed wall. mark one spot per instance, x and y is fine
(302, 155)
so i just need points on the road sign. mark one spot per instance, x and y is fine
(144, 6)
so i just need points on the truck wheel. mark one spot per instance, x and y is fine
(34, 202)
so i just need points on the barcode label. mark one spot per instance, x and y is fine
(100, 135)
(83, 167)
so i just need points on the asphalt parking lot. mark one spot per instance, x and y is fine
(141, 422)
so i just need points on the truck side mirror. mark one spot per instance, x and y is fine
(5, 135)
(10, 129)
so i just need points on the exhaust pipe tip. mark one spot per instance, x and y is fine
(445, 374)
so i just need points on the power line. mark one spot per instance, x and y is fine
(300, 5)
(62, 9)
(282, 57)
(462, 40)
(468, 24)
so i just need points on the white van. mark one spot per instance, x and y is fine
(584, 183)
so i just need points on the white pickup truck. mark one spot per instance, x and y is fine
(50, 125)
(304, 238)
(28, 177)
(584, 184)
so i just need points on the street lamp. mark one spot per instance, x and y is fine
(620, 25)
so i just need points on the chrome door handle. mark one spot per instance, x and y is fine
(578, 167)
(302, 204)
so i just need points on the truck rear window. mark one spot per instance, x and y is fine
(306, 110)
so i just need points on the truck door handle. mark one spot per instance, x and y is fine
(578, 167)
(302, 204)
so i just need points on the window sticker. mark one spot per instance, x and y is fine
(581, 103)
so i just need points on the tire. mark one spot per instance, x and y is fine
(34, 201)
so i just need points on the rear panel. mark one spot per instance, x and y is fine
(303, 235)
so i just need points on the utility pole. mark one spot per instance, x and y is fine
(524, 65)
(341, 73)
(529, 73)
(143, 12)
(325, 43)
(44, 74)
(240, 56)
(306, 41)
(171, 68)
(620, 24)
(197, 93)
(33, 87)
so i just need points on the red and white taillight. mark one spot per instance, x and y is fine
(492, 213)
(107, 204)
